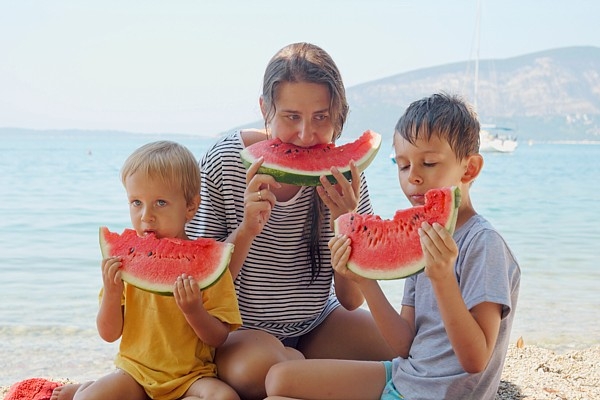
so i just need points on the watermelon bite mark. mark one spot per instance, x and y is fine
(303, 166)
(154, 264)
(391, 249)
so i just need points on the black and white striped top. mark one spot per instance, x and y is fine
(274, 286)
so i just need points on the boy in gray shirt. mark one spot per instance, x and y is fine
(452, 333)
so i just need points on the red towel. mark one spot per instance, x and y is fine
(32, 389)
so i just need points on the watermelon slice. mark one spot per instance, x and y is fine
(391, 249)
(154, 264)
(303, 166)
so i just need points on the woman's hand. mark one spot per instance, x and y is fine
(259, 200)
(342, 197)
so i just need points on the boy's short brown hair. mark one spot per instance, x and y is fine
(447, 116)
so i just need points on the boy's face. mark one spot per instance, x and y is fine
(157, 207)
(429, 164)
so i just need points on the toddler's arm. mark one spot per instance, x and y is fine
(188, 297)
(109, 320)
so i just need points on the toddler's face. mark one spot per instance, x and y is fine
(155, 206)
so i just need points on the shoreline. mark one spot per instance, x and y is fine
(530, 372)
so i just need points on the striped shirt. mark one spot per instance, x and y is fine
(275, 292)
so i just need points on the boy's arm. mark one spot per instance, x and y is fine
(208, 328)
(347, 292)
(472, 333)
(397, 329)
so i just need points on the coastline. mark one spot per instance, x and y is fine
(530, 372)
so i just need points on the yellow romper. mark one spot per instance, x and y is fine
(160, 350)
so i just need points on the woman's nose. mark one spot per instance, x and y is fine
(306, 133)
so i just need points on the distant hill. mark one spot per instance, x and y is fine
(548, 95)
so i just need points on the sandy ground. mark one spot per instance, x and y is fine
(532, 372)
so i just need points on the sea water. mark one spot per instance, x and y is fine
(57, 188)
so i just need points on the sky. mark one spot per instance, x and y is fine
(196, 66)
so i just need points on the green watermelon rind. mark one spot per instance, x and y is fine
(309, 178)
(165, 289)
(410, 269)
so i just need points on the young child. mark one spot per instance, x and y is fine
(451, 335)
(167, 343)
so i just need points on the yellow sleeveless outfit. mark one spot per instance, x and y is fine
(160, 350)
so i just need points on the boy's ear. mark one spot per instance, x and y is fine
(192, 207)
(262, 106)
(474, 166)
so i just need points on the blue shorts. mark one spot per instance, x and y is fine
(389, 391)
(291, 342)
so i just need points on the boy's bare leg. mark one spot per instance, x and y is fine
(210, 388)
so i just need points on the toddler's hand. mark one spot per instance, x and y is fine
(188, 295)
(111, 276)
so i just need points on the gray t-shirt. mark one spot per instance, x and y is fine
(487, 271)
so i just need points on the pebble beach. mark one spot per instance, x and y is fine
(530, 372)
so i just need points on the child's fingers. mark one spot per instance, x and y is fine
(429, 239)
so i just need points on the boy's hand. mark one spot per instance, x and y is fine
(188, 295)
(111, 276)
(340, 253)
(440, 251)
(342, 197)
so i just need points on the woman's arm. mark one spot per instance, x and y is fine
(259, 200)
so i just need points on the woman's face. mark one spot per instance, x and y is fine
(302, 114)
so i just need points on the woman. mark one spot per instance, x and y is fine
(293, 304)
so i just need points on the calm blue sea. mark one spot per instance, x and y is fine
(57, 188)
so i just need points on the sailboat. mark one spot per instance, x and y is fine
(496, 142)
(490, 140)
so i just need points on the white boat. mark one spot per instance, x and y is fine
(490, 142)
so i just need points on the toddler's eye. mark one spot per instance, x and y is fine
(136, 203)
(161, 203)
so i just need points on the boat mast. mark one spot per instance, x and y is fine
(477, 40)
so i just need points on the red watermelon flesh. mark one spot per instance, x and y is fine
(303, 166)
(32, 389)
(391, 249)
(154, 264)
